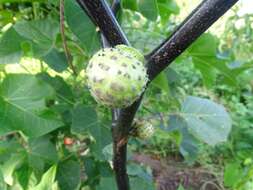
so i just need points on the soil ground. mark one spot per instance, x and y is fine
(170, 173)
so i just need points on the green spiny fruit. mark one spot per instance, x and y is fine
(131, 51)
(116, 76)
(142, 129)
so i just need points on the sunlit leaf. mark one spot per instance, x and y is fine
(149, 9)
(10, 47)
(42, 152)
(41, 34)
(81, 25)
(9, 167)
(232, 174)
(56, 60)
(166, 8)
(204, 57)
(161, 81)
(23, 106)
(2, 183)
(47, 181)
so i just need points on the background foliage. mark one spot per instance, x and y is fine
(54, 135)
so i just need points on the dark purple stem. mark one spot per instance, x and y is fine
(196, 24)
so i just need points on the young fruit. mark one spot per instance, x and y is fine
(142, 129)
(116, 76)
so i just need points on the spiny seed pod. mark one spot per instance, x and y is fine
(131, 51)
(142, 129)
(116, 76)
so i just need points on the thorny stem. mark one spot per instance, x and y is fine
(195, 24)
(64, 42)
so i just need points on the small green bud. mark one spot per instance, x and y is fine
(142, 130)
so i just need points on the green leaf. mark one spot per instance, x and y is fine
(63, 90)
(105, 169)
(139, 183)
(6, 17)
(69, 175)
(40, 33)
(21, 1)
(148, 9)
(161, 82)
(56, 60)
(9, 167)
(107, 183)
(22, 102)
(166, 8)
(180, 187)
(24, 175)
(188, 144)
(172, 76)
(64, 96)
(2, 183)
(91, 169)
(47, 181)
(134, 169)
(171, 5)
(206, 120)
(8, 147)
(108, 152)
(102, 136)
(42, 150)
(203, 53)
(232, 174)
(29, 37)
(81, 25)
(85, 121)
(84, 118)
(10, 48)
(130, 4)
(137, 170)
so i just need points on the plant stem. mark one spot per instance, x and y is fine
(196, 24)
(64, 42)
(119, 152)
(102, 16)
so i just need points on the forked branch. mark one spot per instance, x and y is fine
(195, 24)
